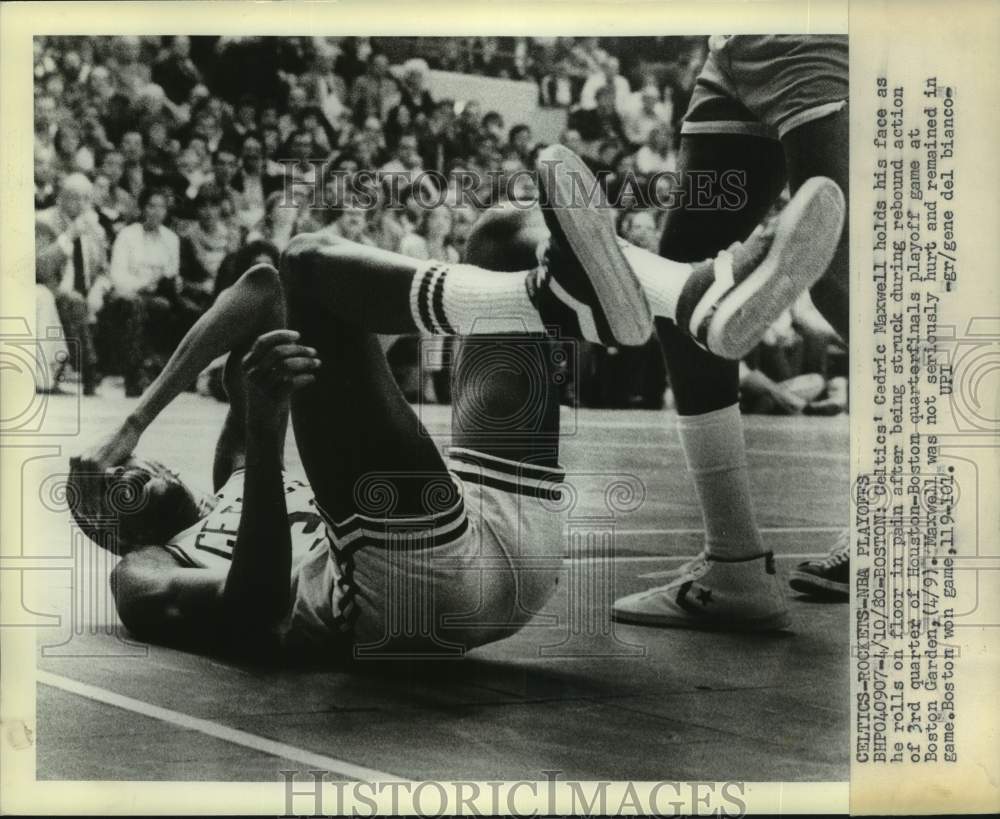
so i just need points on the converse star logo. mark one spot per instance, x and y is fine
(704, 596)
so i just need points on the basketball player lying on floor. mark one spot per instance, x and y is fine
(390, 546)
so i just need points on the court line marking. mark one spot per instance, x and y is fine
(765, 530)
(661, 558)
(214, 729)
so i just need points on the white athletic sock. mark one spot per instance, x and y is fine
(661, 278)
(462, 299)
(716, 455)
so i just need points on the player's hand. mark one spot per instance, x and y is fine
(277, 365)
(112, 450)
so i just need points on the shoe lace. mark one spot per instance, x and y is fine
(839, 553)
(751, 252)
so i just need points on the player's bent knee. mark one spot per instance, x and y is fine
(262, 279)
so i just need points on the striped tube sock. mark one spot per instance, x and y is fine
(662, 279)
(462, 299)
(717, 458)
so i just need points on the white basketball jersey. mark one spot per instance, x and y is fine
(316, 581)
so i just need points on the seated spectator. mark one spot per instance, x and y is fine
(203, 248)
(351, 223)
(493, 125)
(657, 155)
(113, 211)
(134, 169)
(224, 170)
(185, 184)
(70, 259)
(325, 137)
(160, 154)
(406, 167)
(45, 180)
(402, 213)
(138, 320)
(431, 239)
(45, 123)
(519, 140)
(468, 128)
(645, 111)
(252, 181)
(572, 139)
(607, 77)
(600, 123)
(279, 223)
(71, 155)
(244, 121)
(400, 121)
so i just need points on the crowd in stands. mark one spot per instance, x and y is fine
(165, 166)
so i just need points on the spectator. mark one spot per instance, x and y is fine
(520, 141)
(70, 259)
(224, 170)
(600, 123)
(571, 139)
(71, 154)
(413, 91)
(606, 77)
(406, 166)
(145, 283)
(400, 121)
(132, 151)
(431, 239)
(45, 180)
(279, 223)
(351, 223)
(644, 112)
(203, 248)
(556, 89)
(375, 92)
(45, 124)
(493, 125)
(129, 72)
(112, 214)
(468, 128)
(437, 139)
(252, 181)
(657, 155)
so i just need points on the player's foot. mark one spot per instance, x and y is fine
(827, 577)
(584, 284)
(730, 301)
(712, 594)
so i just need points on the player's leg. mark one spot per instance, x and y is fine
(706, 390)
(814, 148)
(819, 148)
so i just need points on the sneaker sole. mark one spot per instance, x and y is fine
(805, 241)
(593, 241)
(805, 583)
(773, 622)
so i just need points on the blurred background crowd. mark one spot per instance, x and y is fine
(165, 166)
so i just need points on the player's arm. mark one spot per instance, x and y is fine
(239, 314)
(257, 589)
(161, 602)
